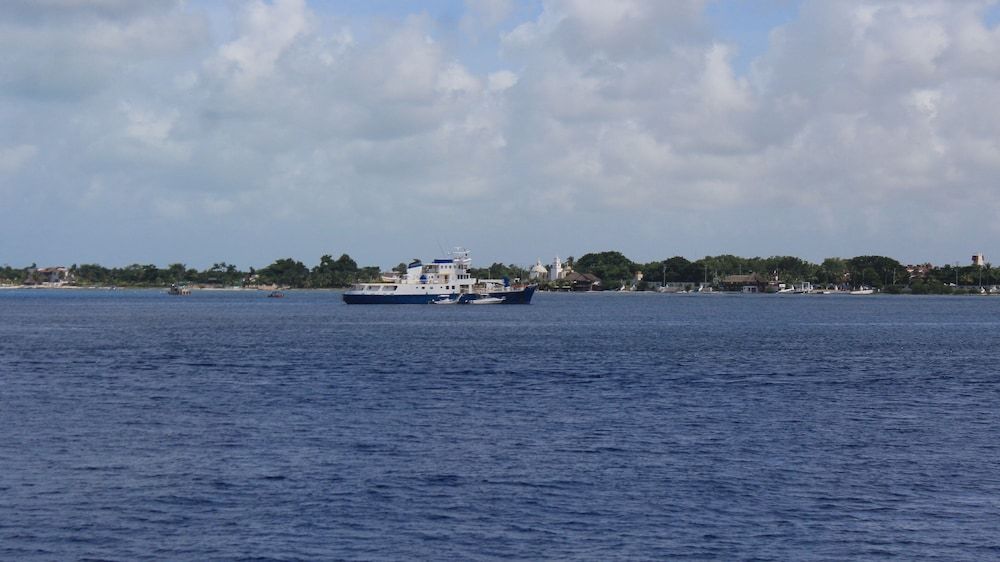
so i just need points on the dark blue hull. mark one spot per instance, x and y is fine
(520, 296)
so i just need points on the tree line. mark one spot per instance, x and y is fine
(612, 267)
(286, 272)
(879, 272)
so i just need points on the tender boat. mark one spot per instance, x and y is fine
(275, 295)
(487, 300)
(443, 279)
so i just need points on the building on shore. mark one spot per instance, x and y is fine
(978, 260)
(583, 282)
(556, 271)
(538, 272)
(49, 276)
(751, 283)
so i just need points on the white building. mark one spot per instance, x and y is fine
(978, 259)
(538, 271)
(556, 271)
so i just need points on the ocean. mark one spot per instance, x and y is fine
(226, 425)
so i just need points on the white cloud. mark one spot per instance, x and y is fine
(501, 80)
(64, 49)
(266, 32)
(16, 157)
(634, 113)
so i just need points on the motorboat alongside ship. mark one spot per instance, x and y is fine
(444, 281)
(487, 300)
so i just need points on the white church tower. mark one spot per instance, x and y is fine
(555, 272)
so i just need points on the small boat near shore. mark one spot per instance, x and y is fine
(444, 281)
(178, 290)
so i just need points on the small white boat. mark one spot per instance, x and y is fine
(862, 291)
(487, 300)
(444, 299)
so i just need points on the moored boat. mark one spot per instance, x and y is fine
(487, 300)
(446, 279)
(178, 290)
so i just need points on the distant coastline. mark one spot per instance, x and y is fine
(596, 271)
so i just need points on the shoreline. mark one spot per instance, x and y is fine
(151, 288)
(341, 289)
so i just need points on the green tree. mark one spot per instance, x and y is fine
(221, 273)
(612, 267)
(789, 268)
(876, 271)
(369, 273)
(498, 270)
(833, 271)
(341, 272)
(93, 274)
(286, 272)
(727, 265)
(176, 273)
(674, 270)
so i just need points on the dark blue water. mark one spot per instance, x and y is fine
(228, 425)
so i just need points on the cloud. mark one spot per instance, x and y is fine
(15, 157)
(266, 32)
(308, 124)
(66, 49)
(484, 16)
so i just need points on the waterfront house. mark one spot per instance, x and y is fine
(50, 276)
(581, 282)
(751, 283)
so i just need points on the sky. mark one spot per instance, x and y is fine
(199, 132)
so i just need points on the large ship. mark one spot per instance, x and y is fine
(442, 280)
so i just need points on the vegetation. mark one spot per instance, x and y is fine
(499, 271)
(879, 272)
(285, 272)
(612, 267)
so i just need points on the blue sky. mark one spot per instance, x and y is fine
(197, 132)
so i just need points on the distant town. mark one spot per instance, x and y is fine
(600, 271)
